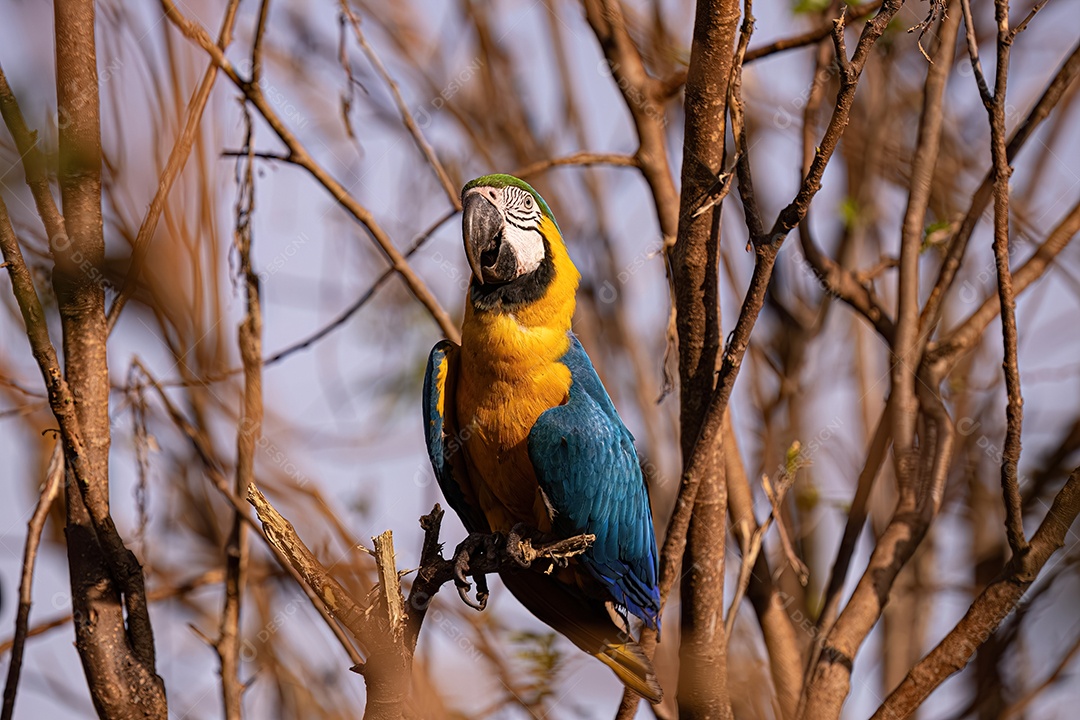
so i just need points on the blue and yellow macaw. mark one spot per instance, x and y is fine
(522, 433)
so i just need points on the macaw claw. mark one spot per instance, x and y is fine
(515, 545)
(472, 549)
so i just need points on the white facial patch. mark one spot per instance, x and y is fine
(521, 229)
(528, 248)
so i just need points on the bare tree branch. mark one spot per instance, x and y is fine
(173, 167)
(406, 115)
(957, 247)
(1010, 455)
(115, 638)
(49, 490)
(299, 156)
(991, 607)
(970, 330)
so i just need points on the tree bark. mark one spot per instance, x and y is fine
(703, 689)
(106, 579)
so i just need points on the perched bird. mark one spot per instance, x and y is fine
(522, 434)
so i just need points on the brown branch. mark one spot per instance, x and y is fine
(114, 638)
(769, 603)
(753, 301)
(695, 267)
(851, 13)
(1022, 25)
(776, 500)
(850, 287)
(1010, 454)
(248, 429)
(1055, 90)
(751, 538)
(988, 610)
(829, 675)
(300, 156)
(968, 332)
(810, 37)
(856, 520)
(406, 116)
(37, 332)
(435, 571)
(907, 346)
(835, 279)
(281, 535)
(973, 54)
(49, 491)
(644, 99)
(579, 159)
(209, 577)
(173, 167)
(218, 479)
(389, 626)
(33, 162)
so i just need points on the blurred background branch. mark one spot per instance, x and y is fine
(887, 413)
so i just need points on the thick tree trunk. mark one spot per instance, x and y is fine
(703, 689)
(106, 579)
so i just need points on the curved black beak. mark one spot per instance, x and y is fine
(481, 228)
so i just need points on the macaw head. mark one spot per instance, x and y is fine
(510, 238)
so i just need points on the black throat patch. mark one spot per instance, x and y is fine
(517, 293)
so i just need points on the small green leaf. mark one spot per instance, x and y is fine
(807, 497)
(792, 461)
(810, 6)
(935, 234)
(850, 211)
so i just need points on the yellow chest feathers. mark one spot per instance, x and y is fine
(510, 369)
(509, 375)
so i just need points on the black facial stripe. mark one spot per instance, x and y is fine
(522, 213)
(513, 221)
(517, 293)
(520, 203)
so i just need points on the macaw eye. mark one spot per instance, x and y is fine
(528, 202)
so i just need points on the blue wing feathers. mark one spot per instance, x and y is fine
(585, 462)
(443, 442)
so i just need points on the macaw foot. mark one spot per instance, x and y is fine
(524, 542)
(516, 541)
(469, 552)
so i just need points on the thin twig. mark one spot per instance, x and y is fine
(33, 161)
(406, 115)
(907, 344)
(1055, 90)
(856, 520)
(988, 610)
(221, 484)
(210, 577)
(810, 37)
(851, 13)
(973, 54)
(173, 167)
(752, 541)
(1022, 25)
(964, 336)
(282, 536)
(249, 427)
(254, 95)
(49, 491)
(776, 499)
(1014, 413)
(578, 159)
